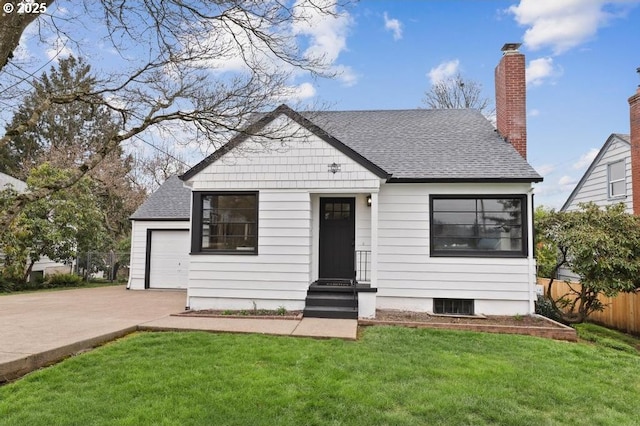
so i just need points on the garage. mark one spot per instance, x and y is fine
(167, 258)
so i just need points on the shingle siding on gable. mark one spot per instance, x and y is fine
(300, 164)
(595, 189)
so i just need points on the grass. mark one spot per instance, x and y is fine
(606, 337)
(391, 376)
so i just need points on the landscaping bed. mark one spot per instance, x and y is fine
(249, 313)
(531, 325)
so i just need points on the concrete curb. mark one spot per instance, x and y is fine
(15, 369)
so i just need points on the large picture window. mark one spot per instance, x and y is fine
(478, 226)
(225, 222)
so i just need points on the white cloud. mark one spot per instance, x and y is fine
(541, 69)
(327, 32)
(567, 181)
(346, 75)
(545, 169)
(585, 159)
(443, 71)
(563, 25)
(393, 25)
(58, 47)
(533, 112)
(324, 36)
(296, 93)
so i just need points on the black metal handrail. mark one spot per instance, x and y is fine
(363, 265)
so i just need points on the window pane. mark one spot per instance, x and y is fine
(229, 222)
(477, 224)
(617, 171)
(450, 205)
(618, 188)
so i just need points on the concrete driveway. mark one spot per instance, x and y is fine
(37, 329)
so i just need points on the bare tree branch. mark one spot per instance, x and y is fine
(208, 66)
(456, 93)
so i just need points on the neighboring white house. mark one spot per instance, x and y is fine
(45, 265)
(426, 210)
(608, 179)
(614, 175)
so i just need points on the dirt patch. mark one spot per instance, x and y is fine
(252, 313)
(517, 321)
(532, 325)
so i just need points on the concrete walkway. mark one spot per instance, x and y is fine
(38, 329)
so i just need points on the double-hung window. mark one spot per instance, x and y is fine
(225, 222)
(490, 226)
(617, 179)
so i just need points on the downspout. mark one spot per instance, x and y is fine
(530, 258)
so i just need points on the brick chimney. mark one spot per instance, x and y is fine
(634, 121)
(511, 98)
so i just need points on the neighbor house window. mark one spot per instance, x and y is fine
(617, 179)
(492, 226)
(225, 222)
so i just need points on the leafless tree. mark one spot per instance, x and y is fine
(151, 170)
(176, 56)
(456, 93)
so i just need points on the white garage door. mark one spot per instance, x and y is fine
(169, 259)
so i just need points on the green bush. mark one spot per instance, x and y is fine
(545, 308)
(63, 280)
(6, 285)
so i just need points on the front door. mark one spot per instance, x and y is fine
(337, 237)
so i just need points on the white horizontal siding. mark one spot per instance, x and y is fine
(139, 247)
(279, 272)
(596, 186)
(406, 271)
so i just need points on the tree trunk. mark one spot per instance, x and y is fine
(12, 25)
(25, 278)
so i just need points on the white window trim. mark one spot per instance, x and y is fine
(610, 181)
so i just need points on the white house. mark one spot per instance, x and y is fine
(425, 210)
(608, 179)
(614, 174)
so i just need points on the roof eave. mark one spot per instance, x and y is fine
(465, 180)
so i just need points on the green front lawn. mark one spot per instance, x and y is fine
(391, 376)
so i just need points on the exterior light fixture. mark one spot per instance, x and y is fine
(334, 168)
(369, 200)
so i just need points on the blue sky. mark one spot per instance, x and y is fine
(581, 62)
(581, 58)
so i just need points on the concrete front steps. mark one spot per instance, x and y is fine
(331, 299)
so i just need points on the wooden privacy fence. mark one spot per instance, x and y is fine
(621, 312)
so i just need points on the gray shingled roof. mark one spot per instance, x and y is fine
(171, 201)
(408, 145)
(440, 144)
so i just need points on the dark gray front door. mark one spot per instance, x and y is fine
(337, 237)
